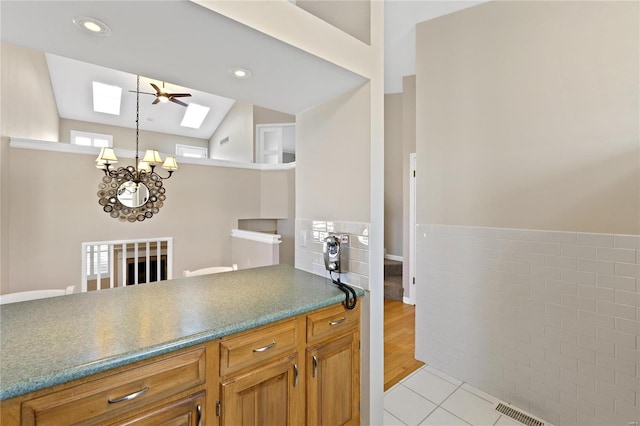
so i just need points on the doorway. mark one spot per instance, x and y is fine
(399, 316)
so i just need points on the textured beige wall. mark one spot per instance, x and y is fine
(408, 147)
(393, 173)
(125, 138)
(4, 214)
(27, 110)
(352, 17)
(28, 105)
(527, 117)
(238, 127)
(53, 211)
(268, 116)
(332, 161)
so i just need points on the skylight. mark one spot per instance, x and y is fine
(194, 116)
(106, 98)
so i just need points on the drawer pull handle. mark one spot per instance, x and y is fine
(199, 410)
(295, 375)
(336, 322)
(265, 348)
(315, 366)
(130, 396)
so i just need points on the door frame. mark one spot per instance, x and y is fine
(412, 230)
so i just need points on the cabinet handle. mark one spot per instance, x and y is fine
(336, 322)
(130, 396)
(295, 375)
(199, 410)
(265, 348)
(315, 365)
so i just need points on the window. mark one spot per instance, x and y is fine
(191, 151)
(97, 260)
(91, 139)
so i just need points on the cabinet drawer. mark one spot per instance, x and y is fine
(331, 321)
(252, 347)
(97, 400)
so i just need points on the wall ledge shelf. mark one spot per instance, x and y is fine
(126, 153)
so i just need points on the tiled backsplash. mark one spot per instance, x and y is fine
(308, 252)
(549, 321)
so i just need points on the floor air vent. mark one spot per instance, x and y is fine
(517, 415)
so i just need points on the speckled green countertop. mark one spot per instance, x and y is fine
(51, 341)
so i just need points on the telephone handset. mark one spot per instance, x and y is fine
(331, 252)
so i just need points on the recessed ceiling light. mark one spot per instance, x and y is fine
(92, 25)
(106, 98)
(194, 116)
(240, 72)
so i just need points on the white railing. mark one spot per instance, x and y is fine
(109, 264)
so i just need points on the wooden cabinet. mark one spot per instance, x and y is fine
(183, 412)
(333, 367)
(168, 389)
(260, 376)
(268, 395)
(263, 383)
(302, 370)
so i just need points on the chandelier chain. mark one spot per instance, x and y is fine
(137, 117)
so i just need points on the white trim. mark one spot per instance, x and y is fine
(180, 148)
(407, 301)
(256, 236)
(412, 228)
(393, 257)
(125, 153)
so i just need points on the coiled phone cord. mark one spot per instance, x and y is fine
(351, 298)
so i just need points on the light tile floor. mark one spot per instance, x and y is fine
(430, 397)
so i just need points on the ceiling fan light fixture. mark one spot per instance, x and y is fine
(240, 73)
(92, 25)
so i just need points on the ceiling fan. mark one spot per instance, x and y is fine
(163, 96)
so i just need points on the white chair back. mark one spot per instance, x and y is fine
(211, 270)
(22, 296)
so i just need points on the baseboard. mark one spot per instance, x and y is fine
(406, 301)
(393, 257)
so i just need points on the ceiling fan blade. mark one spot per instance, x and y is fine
(179, 95)
(156, 87)
(155, 101)
(178, 102)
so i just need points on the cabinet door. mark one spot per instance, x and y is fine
(333, 382)
(183, 412)
(269, 395)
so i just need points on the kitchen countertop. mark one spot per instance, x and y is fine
(51, 341)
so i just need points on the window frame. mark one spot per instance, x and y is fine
(91, 135)
(202, 149)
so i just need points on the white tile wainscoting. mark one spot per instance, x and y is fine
(548, 321)
(308, 252)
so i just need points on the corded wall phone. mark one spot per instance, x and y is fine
(332, 252)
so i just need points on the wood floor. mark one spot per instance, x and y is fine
(399, 342)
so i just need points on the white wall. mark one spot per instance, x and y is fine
(393, 173)
(528, 176)
(125, 138)
(238, 127)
